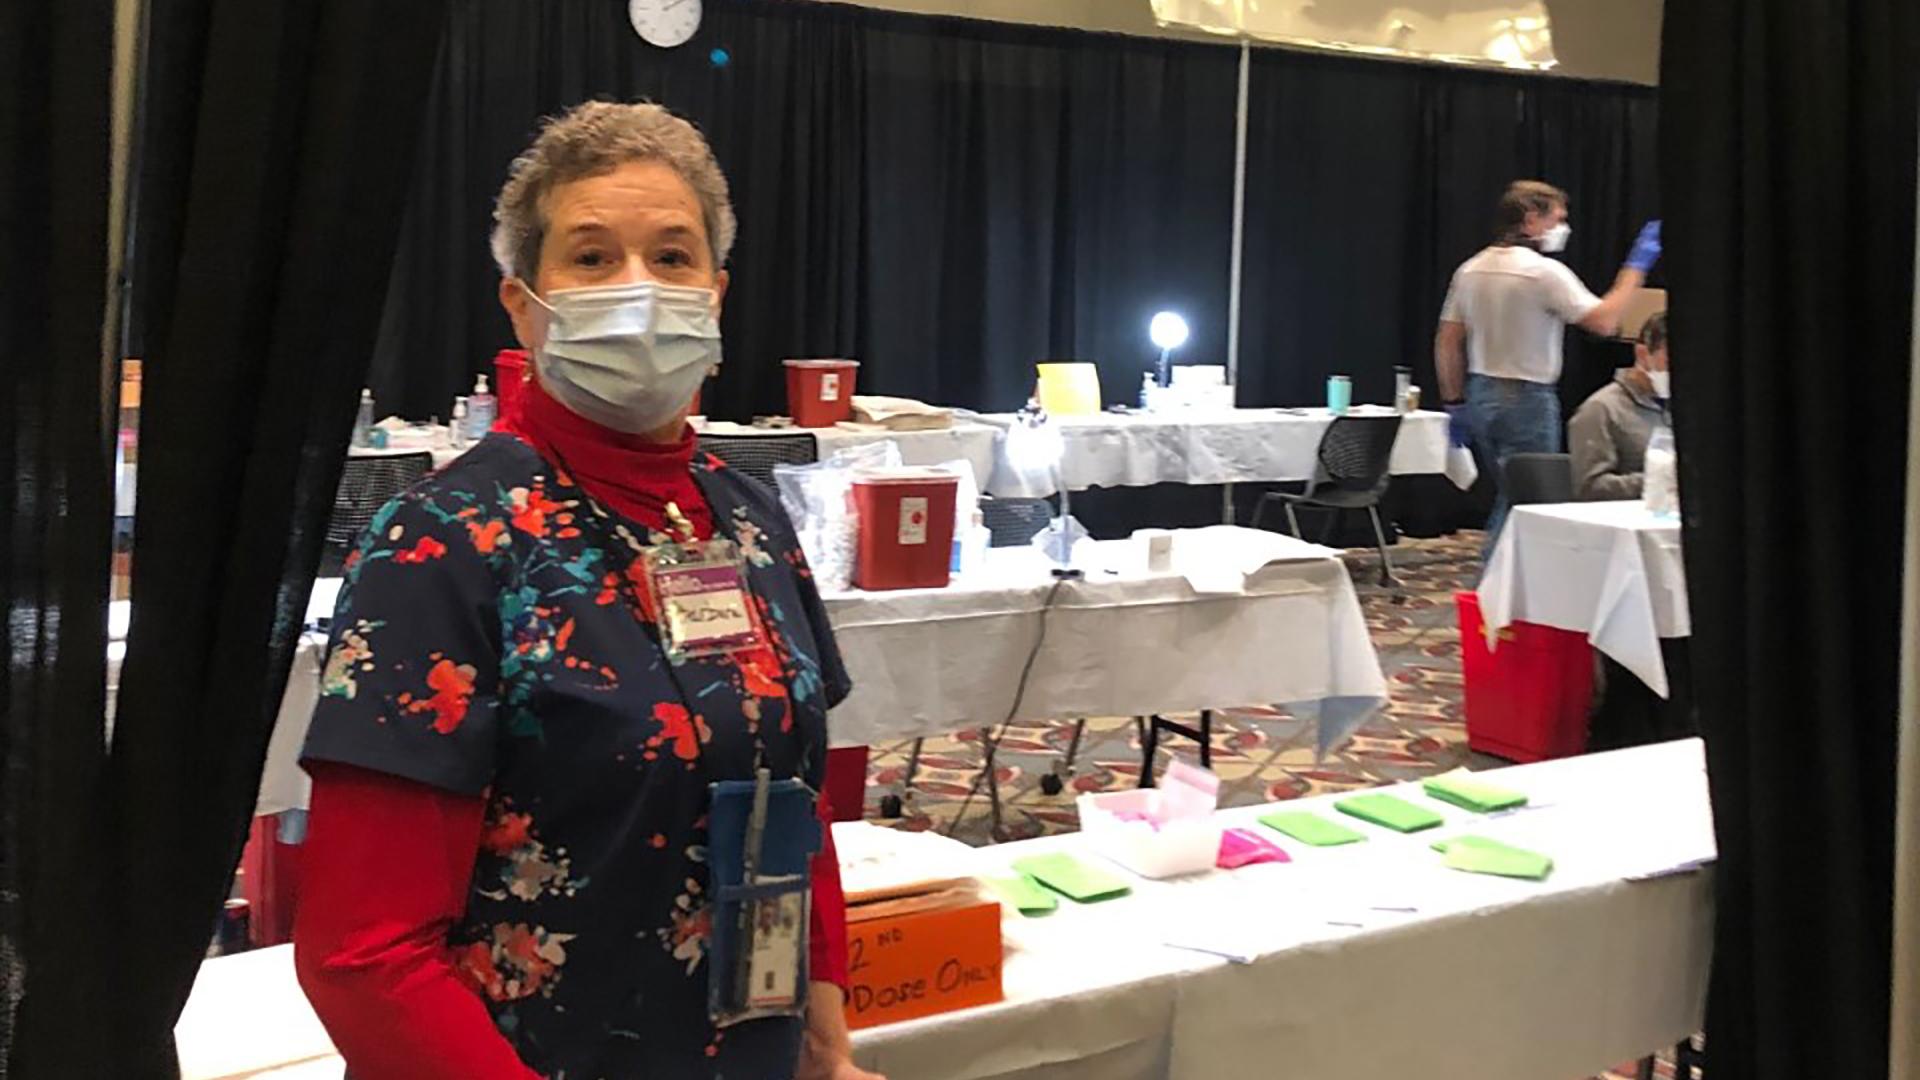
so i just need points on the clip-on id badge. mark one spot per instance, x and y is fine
(761, 838)
(700, 592)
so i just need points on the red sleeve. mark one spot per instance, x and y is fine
(827, 937)
(385, 871)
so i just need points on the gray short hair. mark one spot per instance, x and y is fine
(592, 139)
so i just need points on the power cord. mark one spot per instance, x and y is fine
(991, 745)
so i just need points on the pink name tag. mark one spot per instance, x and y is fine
(705, 608)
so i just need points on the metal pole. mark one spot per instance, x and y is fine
(1239, 218)
(1239, 244)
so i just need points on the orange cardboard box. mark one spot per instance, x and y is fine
(903, 964)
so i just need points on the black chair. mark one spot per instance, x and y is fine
(1013, 522)
(1353, 474)
(754, 456)
(1539, 478)
(366, 484)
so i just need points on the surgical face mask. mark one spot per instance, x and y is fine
(1662, 387)
(1555, 239)
(627, 356)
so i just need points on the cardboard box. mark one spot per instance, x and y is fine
(1645, 305)
(907, 959)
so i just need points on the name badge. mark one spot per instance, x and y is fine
(703, 600)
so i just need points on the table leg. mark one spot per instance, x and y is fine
(1226, 504)
(1149, 742)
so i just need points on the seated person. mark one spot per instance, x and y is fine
(1608, 436)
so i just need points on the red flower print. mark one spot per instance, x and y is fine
(760, 672)
(426, 550)
(486, 537)
(686, 732)
(508, 833)
(530, 510)
(452, 686)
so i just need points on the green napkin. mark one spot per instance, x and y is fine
(1394, 813)
(1027, 896)
(1310, 828)
(1479, 855)
(1463, 791)
(1063, 873)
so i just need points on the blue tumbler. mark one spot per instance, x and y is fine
(1339, 394)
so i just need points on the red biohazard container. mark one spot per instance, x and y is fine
(1527, 699)
(820, 392)
(509, 376)
(846, 786)
(906, 528)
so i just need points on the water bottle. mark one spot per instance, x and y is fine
(457, 428)
(481, 410)
(1402, 389)
(1147, 387)
(363, 420)
(1660, 488)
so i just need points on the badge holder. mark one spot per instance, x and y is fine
(761, 838)
(699, 590)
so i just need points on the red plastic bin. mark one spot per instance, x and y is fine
(1527, 700)
(820, 392)
(846, 786)
(906, 528)
(509, 377)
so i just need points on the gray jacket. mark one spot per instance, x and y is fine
(1608, 437)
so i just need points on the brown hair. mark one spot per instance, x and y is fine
(1654, 333)
(1523, 197)
(595, 138)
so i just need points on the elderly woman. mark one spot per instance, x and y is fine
(529, 701)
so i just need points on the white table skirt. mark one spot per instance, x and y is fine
(1610, 570)
(931, 662)
(1487, 977)
(1228, 447)
(935, 661)
(976, 444)
(1483, 977)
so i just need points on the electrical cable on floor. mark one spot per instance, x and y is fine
(992, 744)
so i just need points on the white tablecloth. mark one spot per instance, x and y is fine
(1610, 570)
(977, 444)
(1445, 975)
(1483, 977)
(1245, 617)
(1229, 447)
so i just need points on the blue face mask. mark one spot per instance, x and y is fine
(629, 357)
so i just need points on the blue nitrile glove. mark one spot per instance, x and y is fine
(1459, 428)
(1646, 248)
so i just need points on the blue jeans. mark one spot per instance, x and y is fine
(1509, 416)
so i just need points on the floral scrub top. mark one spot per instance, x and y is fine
(489, 641)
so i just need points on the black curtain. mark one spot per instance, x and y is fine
(55, 454)
(1369, 182)
(1788, 176)
(945, 200)
(273, 167)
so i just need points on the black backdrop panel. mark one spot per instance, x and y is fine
(945, 200)
(1370, 181)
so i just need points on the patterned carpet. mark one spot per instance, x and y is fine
(1260, 754)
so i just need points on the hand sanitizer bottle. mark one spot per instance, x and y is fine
(481, 411)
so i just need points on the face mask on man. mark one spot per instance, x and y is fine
(1555, 239)
(628, 357)
(1662, 388)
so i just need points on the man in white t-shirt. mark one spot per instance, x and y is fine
(1497, 352)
